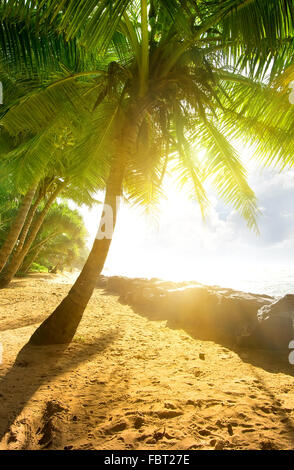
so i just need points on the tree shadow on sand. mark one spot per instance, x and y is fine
(14, 324)
(16, 285)
(274, 406)
(35, 366)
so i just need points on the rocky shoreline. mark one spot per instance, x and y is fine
(210, 312)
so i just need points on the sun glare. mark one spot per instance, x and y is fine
(174, 243)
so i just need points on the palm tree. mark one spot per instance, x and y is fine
(172, 77)
(28, 155)
(19, 255)
(16, 226)
(78, 184)
(49, 189)
(44, 187)
(61, 240)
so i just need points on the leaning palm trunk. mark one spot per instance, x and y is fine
(61, 326)
(17, 261)
(16, 227)
(28, 263)
(26, 228)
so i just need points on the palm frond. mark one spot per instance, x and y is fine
(227, 173)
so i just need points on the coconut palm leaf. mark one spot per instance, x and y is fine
(187, 58)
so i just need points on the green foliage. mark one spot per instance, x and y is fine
(62, 237)
(61, 241)
(38, 268)
(194, 76)
(9, 202)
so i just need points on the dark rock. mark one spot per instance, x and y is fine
(210, 312)
(282, 308)
(275, 323)
(102, 282)
(117, 284)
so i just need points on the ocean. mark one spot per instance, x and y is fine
(271, 280)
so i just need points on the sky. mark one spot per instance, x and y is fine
(178, 245)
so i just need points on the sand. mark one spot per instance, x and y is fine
(126, 382)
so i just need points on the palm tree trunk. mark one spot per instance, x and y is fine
(30, 261)
(26, 228)
(16, 226)
(16, 262)
(61, 326)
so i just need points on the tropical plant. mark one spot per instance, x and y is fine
(16, 226)
(9, 203)
(60, 243)
(77, 185)
(171, 78)
(29, 155)
(48, 190)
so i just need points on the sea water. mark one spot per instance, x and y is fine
(260, 279)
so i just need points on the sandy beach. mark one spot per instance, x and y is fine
(126, 382)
